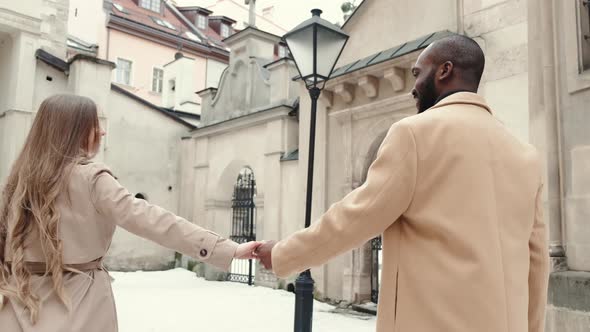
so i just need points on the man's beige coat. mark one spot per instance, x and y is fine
(458, 200)
(94, 204)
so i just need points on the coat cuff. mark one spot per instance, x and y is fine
(217, 251)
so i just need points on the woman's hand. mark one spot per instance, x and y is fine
(247, 250)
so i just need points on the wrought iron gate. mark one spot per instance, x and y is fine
(376, 261)
(243, 224)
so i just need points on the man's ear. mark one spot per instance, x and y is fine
(445, 71)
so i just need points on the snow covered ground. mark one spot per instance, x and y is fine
(178, 301)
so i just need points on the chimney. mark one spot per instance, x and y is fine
(178, 91)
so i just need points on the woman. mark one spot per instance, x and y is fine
(58, 213)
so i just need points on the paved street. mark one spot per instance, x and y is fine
(178, 301)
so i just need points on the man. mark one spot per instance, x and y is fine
(458, 200)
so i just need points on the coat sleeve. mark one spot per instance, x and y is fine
(538, 269)
(362, 214)
(156, 224)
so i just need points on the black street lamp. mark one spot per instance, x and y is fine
(315, 45)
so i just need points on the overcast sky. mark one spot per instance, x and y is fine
(288, 13)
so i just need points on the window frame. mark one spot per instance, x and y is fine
(221, 30)
(161, 84)
(150, 5)
(202, 19)
(130, 83)
(584, 35)
(577, 80)
(282, 49)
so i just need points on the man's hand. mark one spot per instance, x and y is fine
(264, 254)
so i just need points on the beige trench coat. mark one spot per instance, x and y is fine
(458, 200)
(97, 203)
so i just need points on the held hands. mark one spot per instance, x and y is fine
(264, 253)
(247, 250)
(257, 250)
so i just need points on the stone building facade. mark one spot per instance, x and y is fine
(248, 123)
(536, 81)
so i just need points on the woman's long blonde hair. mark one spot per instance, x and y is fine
(64, 133)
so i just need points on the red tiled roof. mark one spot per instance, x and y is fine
(215, 37)
(142, 15)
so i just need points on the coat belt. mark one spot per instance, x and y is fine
(41, 267)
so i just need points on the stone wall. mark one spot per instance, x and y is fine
(143, 149)
(500, 27)
(560, 95)
(54, 27)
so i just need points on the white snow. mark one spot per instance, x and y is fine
(178, 301)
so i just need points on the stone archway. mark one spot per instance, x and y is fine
(371, 251)
(367, 260)
(361, 131)
(227, 179)
(243, 223)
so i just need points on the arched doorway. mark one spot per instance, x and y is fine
(243, 227)
(375, 244)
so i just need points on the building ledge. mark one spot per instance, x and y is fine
(570, 290)
(170, 114)
(64, 66)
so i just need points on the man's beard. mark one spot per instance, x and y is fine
(427, 98)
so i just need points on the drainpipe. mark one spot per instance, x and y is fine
(553, 130)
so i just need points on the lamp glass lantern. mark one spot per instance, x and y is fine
(316, 45)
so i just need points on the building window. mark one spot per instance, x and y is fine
(153, 5)
(193, 37)
(168, 25)
(124, 71)
(157, 80)
(224, 30)
(120, 8)
(163, 23)
(202, 22)
(584, 34)
(282, 51)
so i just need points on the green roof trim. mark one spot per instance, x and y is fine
(391, 53)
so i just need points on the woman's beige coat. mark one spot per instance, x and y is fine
(94, 204)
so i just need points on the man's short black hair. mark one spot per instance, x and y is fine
(464, 53)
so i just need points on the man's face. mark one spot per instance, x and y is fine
(424, 90)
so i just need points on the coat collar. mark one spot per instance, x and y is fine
(464, 98)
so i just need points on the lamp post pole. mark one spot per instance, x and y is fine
(315, 45)
(304, 284)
